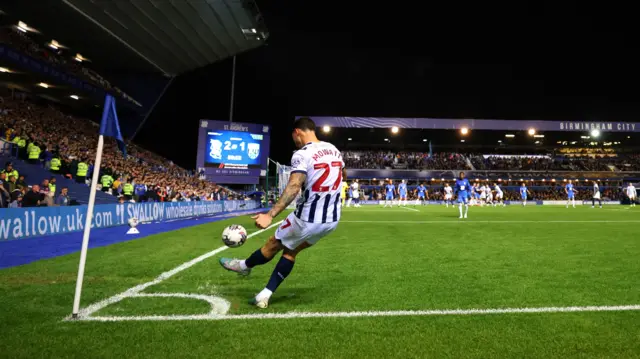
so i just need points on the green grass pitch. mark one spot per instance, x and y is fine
(379, 260)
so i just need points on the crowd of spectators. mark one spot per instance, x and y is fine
(49, 135)
(404, 160)
(540, 163)
(459, 161)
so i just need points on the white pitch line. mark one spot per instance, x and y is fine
(132, 292)
(390, 313)
(410, 209)
(453, 221)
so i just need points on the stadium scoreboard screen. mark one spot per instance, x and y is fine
(232, 152)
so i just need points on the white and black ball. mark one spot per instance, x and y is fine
(234, 236)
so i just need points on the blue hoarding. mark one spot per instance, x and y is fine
(17, 223)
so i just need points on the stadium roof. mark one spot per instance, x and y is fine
(167, 36)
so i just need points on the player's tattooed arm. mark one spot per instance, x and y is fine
(296, 181)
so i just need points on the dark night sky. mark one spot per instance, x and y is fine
(567, 61)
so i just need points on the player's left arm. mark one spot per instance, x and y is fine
(296, 181)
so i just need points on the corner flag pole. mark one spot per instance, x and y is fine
(110, 127)
(87, 227)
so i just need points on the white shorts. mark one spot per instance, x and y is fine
(293, 231)
(447, 196)
(632, 198)
(596, 195)
(356, 194)
(498, 196)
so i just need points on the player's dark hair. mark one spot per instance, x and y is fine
(304, 124)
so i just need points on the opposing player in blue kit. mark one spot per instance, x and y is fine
(462, 188)
(422, 194)
(571, 194)
(390, 190)
(402, 190)
(523, 194)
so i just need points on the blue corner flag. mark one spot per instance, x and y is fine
(109, 125)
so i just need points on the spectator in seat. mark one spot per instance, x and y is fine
(16, 199)
(5, 196)
(45, 189)
(10, 185)
(140, 190)
(63, 198)
(9, 170)
(52, 186)
(33, 198)
(21, 183)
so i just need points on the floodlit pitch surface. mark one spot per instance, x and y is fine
(545, 282)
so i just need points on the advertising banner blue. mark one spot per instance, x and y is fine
(17, 223)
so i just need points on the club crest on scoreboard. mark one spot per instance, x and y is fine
(253, 150)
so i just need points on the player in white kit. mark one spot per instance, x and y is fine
(448, 195)
(355, 188)
(489, 192)
(483, 195)
(596, 195)
(631, 193)
(317, 172)
(499, 195)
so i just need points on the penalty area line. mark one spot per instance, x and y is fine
(390, 313)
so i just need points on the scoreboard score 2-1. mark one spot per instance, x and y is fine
(232, 152)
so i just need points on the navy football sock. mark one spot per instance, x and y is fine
(280, 272)
(256, 258)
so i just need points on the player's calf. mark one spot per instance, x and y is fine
(279, 274)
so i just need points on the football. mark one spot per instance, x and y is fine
(133, 222)
(234, 236)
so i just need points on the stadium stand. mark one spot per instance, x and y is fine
(544, 173)
(458, 161)
(73, 140)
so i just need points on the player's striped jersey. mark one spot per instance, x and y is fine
(631, 191)
(322, 163)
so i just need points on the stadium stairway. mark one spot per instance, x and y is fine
(35, 174)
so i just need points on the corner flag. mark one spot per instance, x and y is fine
(109, 125)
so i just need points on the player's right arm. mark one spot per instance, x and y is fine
(296, 181)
